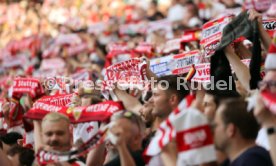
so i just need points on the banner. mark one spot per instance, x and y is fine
(212, 33)
(175, 64)
(185, 60)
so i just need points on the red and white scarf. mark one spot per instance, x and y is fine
(46, 157)
(172, 45)
(269, 100)
(202, 73)
(212, 33)
(259, 5)
(270, 26)
(145, 48)
(30, 86)
(175, 64)
(130, 73)
(97, 112)
(118, 52)
(193, 135)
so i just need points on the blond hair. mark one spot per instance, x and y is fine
(55, 117)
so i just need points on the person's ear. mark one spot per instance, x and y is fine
(174, 100)
(230, 130)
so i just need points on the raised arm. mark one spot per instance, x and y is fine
(37, 135)
(241, 70)
(265, 38)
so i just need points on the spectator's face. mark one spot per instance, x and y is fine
(5, 147)
(160, 100)
(86, 100)
(269, 81)
(209, 107)
(14, 159)
(146, 112)
(56, 135)
(132, 134)
(220, 137)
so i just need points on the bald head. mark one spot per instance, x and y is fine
(55, 132)
(55, 117)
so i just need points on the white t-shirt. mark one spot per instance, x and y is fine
(262, 139)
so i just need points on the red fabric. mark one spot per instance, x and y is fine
(194, 138)
(31, 86)
(96, 112)
(269, 100)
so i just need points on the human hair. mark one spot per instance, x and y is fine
(132, 117)
(235, 112)
(181, 91)
(220, 95)
(11, 138)
(55, 117)
(26, 156)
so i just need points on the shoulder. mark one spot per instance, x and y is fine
(254, 156)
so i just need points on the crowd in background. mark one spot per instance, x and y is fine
(50, 49)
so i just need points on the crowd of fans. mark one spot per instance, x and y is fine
(113, 82)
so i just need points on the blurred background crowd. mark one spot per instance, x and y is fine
(47, 44)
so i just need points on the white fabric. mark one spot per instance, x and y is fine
(29, 138)
(270, 61)
(193, 22)
(190, 128)
(176, 13)
(84, 131)
(18, 129)
(262, 139)
(156, 160)
(188, 119)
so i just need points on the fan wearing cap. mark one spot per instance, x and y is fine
(264, 116)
